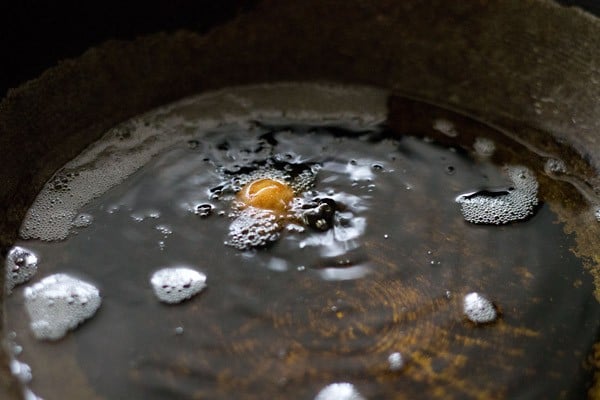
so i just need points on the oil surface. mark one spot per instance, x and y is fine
(377, 305)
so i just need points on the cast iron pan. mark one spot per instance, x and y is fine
(490, 59)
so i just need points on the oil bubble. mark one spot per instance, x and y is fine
(396, 361)
(29, 395)
(484, 147)
(320, 214)
(478, 309)
(21, 371)
(166, 230)
(203, 210)
(339, 391)
(359, 170)
(253, 227)
(59, 303)
(176, 284)
(554, 166)
(277, 264)
(17, 349)
(346, 229)
(193, 144)
(21, 265)
(446, 127)
(142, 215)
(305, 180)
(501, 207)
(82, 220)
(597, 213)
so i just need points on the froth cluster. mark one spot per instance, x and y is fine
(516, 203)
(55, 212)
(59, 303)
(305, 179)
(555, 166)
(21, 265)
(176, 284)
(21, 371)
(339, 391)
(478, 309)
(253, 227)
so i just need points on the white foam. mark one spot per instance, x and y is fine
(395, 361)
(555, 166)
(339, 391)
(446, 127)
(253, 227)
(176, 284)
(21, 265)
(166, 230)
(21, 371)
(127, 147)
(59, 303)
(516, 204)
(16, 349)
(29, 395)
(596, 211)
(478, 308)
(484, 147)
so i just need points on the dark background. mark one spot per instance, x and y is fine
(36, 35)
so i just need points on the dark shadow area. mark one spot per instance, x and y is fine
(35, 36)
(592, 6)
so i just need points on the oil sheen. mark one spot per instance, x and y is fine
(301, 251)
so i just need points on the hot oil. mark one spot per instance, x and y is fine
(397, 295)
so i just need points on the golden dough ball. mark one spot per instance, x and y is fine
(268, 194)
